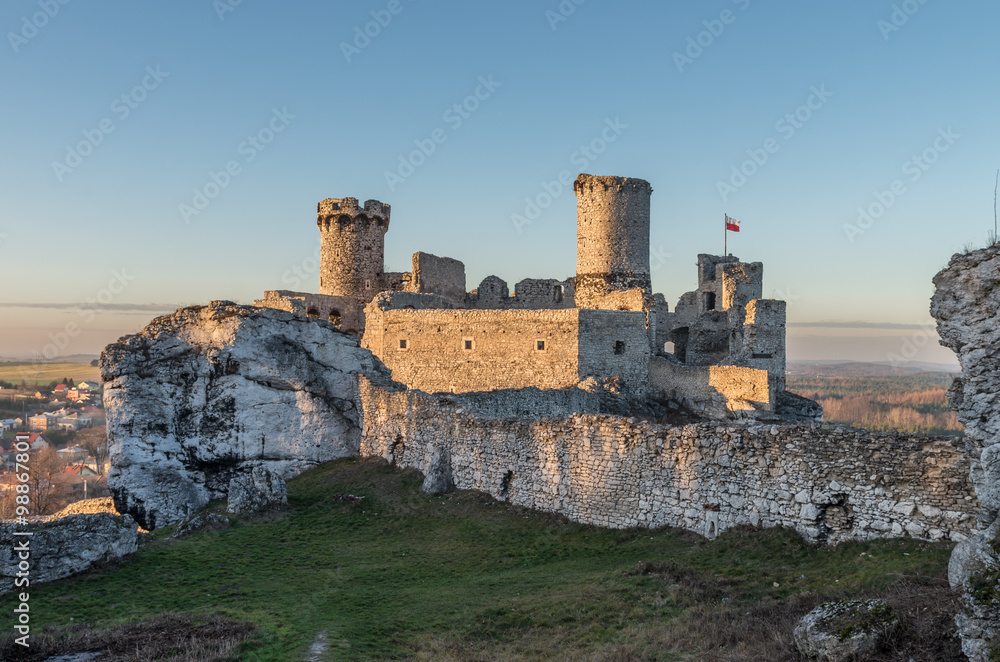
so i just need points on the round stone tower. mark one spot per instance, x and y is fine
(352, 253)
(612, 246)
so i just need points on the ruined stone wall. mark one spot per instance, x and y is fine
(612, 237)
(342, 312)
(352, 249)
(443, 276)
(457, 351)
(714, 391)
(763, 339)
(829, 483)
(529, 294)
(615, 344)
(477, 350)
(741, 283)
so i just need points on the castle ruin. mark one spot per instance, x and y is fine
(720, 353)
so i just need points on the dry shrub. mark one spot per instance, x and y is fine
(168, 638)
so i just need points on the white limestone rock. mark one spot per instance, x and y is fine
(838, 631)
(257, 492)
(966, 305)
(202, 395)
(66, 546)
(201, 523)
(438, 477)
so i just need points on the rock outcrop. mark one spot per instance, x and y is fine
(206, 394)
(201, 523)
(966, 306)
(257, 492)
(62, 547)
(840, 631)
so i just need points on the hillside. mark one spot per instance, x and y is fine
(878, 397)
(400, 575)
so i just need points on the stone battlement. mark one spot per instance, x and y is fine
(607, 183)
(334, 208)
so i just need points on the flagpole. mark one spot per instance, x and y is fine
(725, 234)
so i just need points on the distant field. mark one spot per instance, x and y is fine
(41, 374)
(879, 398)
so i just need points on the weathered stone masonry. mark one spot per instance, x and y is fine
(829, 483)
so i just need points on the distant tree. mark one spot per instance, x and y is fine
(65, 381)
(44, 466)
(95, 441)
(71, 383)
(53, 385)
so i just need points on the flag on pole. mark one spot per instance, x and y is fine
(732, 224)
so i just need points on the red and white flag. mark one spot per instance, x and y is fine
(732, 224)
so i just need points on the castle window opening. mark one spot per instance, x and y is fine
(469, 344)
(619, 347)
(763, 356)
(404, 344)
(312, 312)
(335, 317)
(540, 345)
(710, 301)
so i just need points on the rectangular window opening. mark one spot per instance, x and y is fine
(540, 345)
(468, 344)
(404, 344)
(620, 347)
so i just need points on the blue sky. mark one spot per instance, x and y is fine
(200, 78)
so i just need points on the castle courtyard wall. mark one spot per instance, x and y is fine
(829, 483)
(462, 350)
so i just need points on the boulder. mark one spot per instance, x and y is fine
(257, 492)
(966, 305)
(203, 395)
(201, 523)
(62, 547)
(838, 631)
(438, 478)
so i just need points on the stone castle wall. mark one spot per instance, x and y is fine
(458, 351)
(342, 312)
(829, 483)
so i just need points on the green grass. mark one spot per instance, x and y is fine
(41, 374)
(462, 577)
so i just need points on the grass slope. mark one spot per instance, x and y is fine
(401, 575)
(41, 374)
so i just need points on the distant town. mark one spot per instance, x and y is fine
(63, 424)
